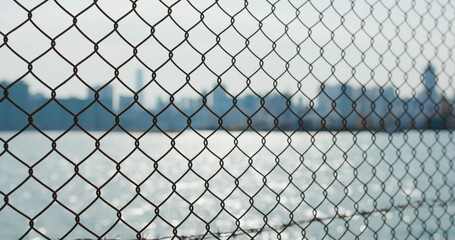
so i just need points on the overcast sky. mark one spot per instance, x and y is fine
(387, 41)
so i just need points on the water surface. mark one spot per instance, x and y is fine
(161, 185)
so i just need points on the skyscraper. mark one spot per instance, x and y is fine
(429, 97)
(429, 80)
(140, 85)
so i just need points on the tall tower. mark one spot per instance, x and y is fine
(429, 97)
(140, 85)
(106, 96)
(429, 80)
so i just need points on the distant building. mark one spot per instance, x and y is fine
(335, 103)
(12, 116)
(125, 102)
(429, 80)
(106, 95)
(374, 107)
(429, 97)
(99, 116)
(249, 104)
(221, 102)
(140, 85)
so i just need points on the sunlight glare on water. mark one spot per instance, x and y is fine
(221, 176)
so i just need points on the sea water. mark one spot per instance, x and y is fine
(247, 184)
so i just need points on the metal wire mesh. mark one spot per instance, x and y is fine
(246, 119)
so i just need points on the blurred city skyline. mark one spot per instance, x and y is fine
(338, 107)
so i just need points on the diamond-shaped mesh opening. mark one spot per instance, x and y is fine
(69, 196)
(38, 143)
(134, 162)
(98, 222)
(156, 189)
(12, 179)
(61, 117)
(61, 170)
(47, 219)
(90, 166)
(228, 119)
(81, 51)
(66, 147)
(31, 199)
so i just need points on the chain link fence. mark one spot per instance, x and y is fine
(191, 119)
